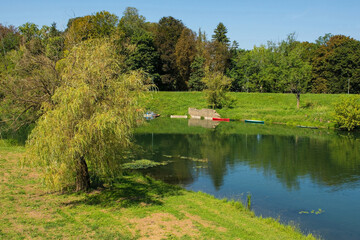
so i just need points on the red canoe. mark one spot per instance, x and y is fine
(222, 119)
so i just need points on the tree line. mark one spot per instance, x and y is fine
(176, 57)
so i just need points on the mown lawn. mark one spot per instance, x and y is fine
(135, 208)
(315, 109)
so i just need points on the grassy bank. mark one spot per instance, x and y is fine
(315, 109)
(138, 208)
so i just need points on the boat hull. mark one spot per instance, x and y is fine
(221, 119)
(255, 121)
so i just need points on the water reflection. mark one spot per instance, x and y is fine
(331, 160)
(202, 123)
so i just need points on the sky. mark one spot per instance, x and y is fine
(248, 22)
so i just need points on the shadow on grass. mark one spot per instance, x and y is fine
(130, 191)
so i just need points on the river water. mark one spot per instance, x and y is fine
(306, 177)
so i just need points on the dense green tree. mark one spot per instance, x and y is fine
(336, 66)
(29, 31)
(132, 23)
(99, 25)
(272, 68)
(256, 70)
(167, 34)
(52, 41)
(103, 24)
(144, 55)
(260, 68)
(240, 72)
(185, 51)
(32, 78)
(9, 39)
(136, 43)
(217, 57)
(89, 127)
(78, 30)
(54, 47)
(30, 83)
(32, 36)
(197, 74)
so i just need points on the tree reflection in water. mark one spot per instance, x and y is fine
(328, 158)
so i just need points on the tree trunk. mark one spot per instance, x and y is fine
(298, 100)
(82, 176)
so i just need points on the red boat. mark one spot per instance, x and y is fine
(222, 119)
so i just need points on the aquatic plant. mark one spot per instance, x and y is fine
(248, 201)
(142, 164)
(319, 211)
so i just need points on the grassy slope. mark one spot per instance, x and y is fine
(138, 208)
(315, 110)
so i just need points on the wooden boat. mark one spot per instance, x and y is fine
(255, 121)
(299, 126)
(221, 119)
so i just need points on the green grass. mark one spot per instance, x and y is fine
(315, 109)
(137, 207)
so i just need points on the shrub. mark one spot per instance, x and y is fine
(347, 113)
(217, 85)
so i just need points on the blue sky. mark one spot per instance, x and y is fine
(248, 22)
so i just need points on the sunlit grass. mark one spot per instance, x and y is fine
(315, 109)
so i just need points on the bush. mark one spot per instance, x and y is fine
(347, 113)
(217, 85)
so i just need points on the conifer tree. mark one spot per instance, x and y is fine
(220, 34)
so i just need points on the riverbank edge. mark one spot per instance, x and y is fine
(138, 208)
(316, 110)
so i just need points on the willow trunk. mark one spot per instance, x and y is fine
(82, 176)
(298, 100)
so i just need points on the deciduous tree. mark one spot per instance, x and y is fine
(336, 66)
(99, 25)
(185, 51)
(136, 42)
(31, 82)
(296, 73)
(167, 34)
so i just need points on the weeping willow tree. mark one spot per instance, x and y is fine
(88, 129)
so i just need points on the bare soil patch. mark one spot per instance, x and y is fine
(162, 225)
